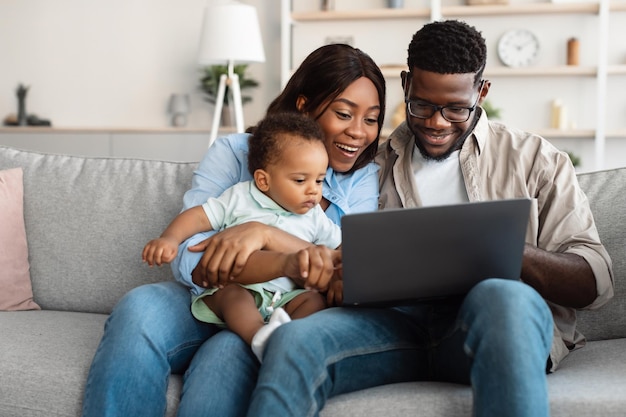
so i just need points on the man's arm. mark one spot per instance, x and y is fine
(563, 278)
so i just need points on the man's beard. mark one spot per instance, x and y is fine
(455, 147)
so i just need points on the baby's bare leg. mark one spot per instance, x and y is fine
(305, 304)
(236, 307)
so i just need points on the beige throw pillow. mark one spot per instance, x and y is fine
(15, 287)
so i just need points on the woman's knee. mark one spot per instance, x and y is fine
(153, 299)
(153, 311)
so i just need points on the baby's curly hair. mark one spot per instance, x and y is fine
(448, 47)
(271, 135)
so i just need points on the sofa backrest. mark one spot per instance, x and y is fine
(84, 255)
(87, 220)
(606, 191)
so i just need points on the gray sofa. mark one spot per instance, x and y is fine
(86, 222)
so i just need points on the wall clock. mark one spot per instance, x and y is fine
(518, 48)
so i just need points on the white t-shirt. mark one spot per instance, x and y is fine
(439, 182)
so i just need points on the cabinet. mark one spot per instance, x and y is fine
(591, 91)
(169, 144)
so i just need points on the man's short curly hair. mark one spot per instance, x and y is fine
(273, 133)
(448, 47)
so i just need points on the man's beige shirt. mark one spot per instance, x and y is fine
(498, 162)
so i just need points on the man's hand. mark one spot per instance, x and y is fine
(334, 295)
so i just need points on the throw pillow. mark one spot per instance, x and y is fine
(16, 292)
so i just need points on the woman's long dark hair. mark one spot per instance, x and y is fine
(323, 76)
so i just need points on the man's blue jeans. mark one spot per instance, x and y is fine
(498, 339)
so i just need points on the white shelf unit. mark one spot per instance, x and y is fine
(595, 71)
(168, 144)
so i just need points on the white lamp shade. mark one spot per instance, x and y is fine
(179, 104)
(230, 33)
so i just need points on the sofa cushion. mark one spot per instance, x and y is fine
(15, 288)
(84, 255)
(48, 377)
(589, 382)
(606, 191)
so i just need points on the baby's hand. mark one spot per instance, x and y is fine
(159, 251)
(317, 266)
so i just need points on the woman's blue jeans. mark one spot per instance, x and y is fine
(151, 333)
(498, 339)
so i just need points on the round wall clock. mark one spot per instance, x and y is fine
(518, 48)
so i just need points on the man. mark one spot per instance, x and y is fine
(504, 335)
(448, 152)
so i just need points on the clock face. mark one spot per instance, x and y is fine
(518, 48)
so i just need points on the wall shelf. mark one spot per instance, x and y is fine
(616, 70)
(167, 143)
(564, 70)
(564, 133)
(459, 11)
(112, 130)
(603, 69)
(549, 133)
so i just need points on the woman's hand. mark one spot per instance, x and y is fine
(226, 253)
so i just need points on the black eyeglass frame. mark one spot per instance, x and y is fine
(436, 108)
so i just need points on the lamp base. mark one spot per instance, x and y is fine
(179, 120)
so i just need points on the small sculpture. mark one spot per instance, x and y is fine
(21, 104)
(23, 119)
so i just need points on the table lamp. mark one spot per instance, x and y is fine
(178, 108)
(230, 33)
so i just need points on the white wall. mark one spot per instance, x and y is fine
(114, 63)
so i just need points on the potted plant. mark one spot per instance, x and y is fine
(492, 111)
(210, 81)
(576, 160)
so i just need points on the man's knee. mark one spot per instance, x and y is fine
(508, 302)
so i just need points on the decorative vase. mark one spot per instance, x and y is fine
(227, 116)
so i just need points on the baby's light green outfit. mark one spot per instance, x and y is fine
(244, 202)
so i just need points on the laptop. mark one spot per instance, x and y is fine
(401, 255)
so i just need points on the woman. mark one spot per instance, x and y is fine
(151, 332)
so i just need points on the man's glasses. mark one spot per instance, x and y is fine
(454, 114)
